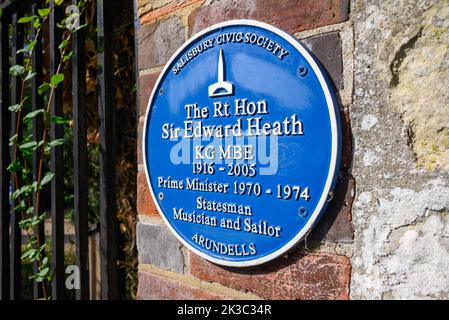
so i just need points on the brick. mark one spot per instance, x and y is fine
(155, 10)
(289, 15)
(327, 48)
(145, 204)
(300, 276)
(336, 224)
(139, 140)
(156, 287)
(146, 84)
(157, 246)
(158, 41)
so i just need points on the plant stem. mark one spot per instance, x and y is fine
(42, 149)
(44, 135)
(15, 150)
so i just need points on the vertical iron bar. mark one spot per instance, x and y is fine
(108, 220)
(57, 184)
(136, 60)
(37, 103)
(16, 236)
(80, 159)
(5, 119)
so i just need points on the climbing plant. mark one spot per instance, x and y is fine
(28, 190)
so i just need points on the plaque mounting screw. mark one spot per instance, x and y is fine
(161, 91)
(302, 71)
(303, 212)
(161, 196)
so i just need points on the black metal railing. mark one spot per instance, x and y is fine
(12, 39)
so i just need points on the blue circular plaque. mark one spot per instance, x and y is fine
(241, 143)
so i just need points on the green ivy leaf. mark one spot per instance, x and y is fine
(56, 143)
(28, 146)
(37, 23)
(17, 70)
(30, 76)
(44, 12)
(20, 207)
(32, 241)
(28, 253)
(30, 116)
(35, 221)
(56, 79)
(15, 195)
(15, 107)
(59, 120)
(13, 140)
(23, 50)
(47, 178)
(80, 27)
(27, 189)
(32, 44)
(68, 56)
(15, 166)
(59, 2)
(34, 255)
(43, 216)
(26, 19)
(44, 272)
(30, 211)
(43, 88)
(25, 224)
(63, 44)
(28, 48)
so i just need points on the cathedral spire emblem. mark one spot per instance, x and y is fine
(222, 87)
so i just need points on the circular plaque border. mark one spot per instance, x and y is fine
(335, 155)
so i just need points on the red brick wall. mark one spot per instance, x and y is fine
(317, 269)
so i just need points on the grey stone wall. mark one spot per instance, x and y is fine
(400, 128)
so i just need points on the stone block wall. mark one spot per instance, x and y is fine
(385, 233)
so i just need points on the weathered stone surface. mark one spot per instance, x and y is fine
(336, 226)
(425, 240)
(156, 287)
(155, 46)
(400, 244)
(289, 15)
(157, 246)
(145, 204)
(419, 67)
(309, 276)
(327, 48)
(146, 84)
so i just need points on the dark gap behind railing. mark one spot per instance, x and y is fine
(16, 236)
(5, 121)
(12, 39)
